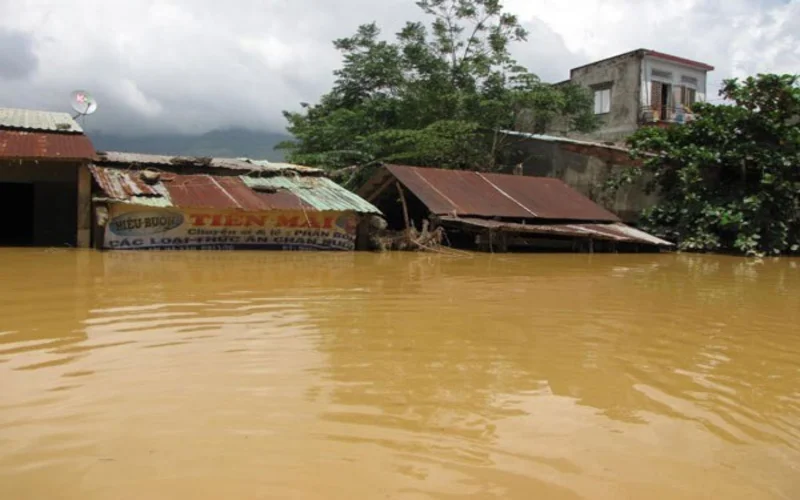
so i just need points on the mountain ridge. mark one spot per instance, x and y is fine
(223, 143)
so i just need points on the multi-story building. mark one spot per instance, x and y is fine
(638, 88)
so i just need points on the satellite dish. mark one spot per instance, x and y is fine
(83, 103)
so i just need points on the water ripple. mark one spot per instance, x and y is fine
(243, 374)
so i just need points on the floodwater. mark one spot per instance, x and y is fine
(346, 376)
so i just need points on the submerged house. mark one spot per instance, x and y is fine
(586, 167)
(178, 203)
(44, 179)
(499, 213)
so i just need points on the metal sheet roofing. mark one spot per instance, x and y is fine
(20, 144)
(319, 192)
(221, 192)
(30, 119)
(116, 158)
(226, 192)
(466, 193)
(565, 140)
(610, 232)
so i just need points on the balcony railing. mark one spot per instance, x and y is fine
(655, 114)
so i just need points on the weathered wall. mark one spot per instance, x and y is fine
(586, 169)
(624, 76)
(16, 171)
(55, 198)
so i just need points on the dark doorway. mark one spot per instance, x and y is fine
(16, 203)
(666, 98)
(55, 214)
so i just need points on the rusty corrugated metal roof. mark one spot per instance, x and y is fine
(124, 184)
(116, 158)
(467, 193)
(217, 192)
(221, 192)
(31, 119)
(22, 144)
(611, 232)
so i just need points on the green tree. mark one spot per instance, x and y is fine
(729, 181)
(437, 95)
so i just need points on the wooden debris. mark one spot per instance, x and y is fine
(411, 239)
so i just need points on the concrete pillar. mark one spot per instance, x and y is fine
(84, 235)
(100, 221)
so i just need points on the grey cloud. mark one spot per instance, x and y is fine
(191, 66)
(17, 57)
(545, 53)
(195, 65)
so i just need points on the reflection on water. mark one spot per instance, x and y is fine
(273, 375)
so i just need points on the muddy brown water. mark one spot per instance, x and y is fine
(343, 376)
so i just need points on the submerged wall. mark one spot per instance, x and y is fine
(140, 227)
(586, 168)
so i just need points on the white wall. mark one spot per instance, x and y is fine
(677, 70)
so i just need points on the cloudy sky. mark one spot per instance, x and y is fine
(190, 66)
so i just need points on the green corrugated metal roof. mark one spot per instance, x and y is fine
(319, 192)
(30, 119)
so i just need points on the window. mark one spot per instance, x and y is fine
(688, 96)
(602, 101)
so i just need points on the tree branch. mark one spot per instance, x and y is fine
(472, 36)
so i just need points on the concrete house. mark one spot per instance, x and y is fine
(638, 88)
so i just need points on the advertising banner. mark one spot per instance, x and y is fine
(132, 227)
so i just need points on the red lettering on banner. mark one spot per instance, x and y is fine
(247, 220)
(284, 221)
(199, 219)
(255, 220)
(234, 220)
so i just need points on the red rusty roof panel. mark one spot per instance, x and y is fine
(21, 144)
(221, 192)
(123, 184)
(195, 191)
(466, 193)
(550, 198)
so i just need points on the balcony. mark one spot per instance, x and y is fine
(665, 114)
